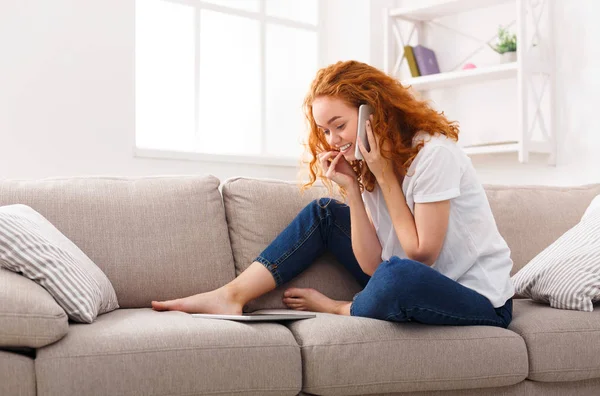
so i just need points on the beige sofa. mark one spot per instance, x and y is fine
(165, 237)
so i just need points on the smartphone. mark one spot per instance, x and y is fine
(364, 112)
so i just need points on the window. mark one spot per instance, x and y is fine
(224, 78)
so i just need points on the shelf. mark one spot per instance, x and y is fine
(497, 147)
(450, 7)
(462, 77)
(508, 147)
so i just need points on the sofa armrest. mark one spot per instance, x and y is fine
(29, 316)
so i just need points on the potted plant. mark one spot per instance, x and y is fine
(506, 45)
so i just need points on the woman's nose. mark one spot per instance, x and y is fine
(335, 141)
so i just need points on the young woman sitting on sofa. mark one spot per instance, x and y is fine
(416, 231)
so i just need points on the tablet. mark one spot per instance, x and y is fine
(256, 317)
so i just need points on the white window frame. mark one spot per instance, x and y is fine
(263, 19)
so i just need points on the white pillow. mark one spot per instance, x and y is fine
(32, 246)
(594, 206)
(567, 273)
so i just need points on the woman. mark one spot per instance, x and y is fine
(423, 243)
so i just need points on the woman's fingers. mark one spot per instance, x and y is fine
(330, 170)
(321, 154)
(370, 137)
(334, 163)
(362, 148)
(322, 161)
(329, 154)
(323, 158)
(325, 154)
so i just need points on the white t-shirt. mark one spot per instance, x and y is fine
(474, 253)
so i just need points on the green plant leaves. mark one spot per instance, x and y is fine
(507, 42)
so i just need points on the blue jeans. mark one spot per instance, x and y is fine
(400, 290)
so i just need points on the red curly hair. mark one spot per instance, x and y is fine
(398, 117)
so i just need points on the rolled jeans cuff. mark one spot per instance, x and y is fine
(272, 269)
(352, 303)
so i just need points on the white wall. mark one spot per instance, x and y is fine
(354, 30)
(67, 93)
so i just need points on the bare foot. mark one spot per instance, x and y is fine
(311, 300)
(219, 301)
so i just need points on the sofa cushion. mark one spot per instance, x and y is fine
(566, 274)
(551, 210)
(155, 238)
(257, 211)
(345, 355)
(32, 246)
(563, 345)
(523, 388)
(17, 374)
(143, 352)
(29, 316)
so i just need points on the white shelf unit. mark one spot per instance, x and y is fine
(462, 77)
(527, 65)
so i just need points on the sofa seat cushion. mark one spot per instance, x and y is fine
(345, 355)
(563, 345)
(17, 374)
(144, 352)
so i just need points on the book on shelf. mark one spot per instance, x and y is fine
(426, 60)
(410, 59)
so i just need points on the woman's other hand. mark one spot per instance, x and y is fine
(336, 168)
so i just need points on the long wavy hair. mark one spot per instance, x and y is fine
(397, 117)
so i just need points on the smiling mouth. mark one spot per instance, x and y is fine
(345, 150)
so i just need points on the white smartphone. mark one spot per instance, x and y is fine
(364, 112)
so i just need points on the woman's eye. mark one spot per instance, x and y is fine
(325, 132)
(341, 127)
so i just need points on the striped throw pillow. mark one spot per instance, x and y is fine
(567, 273)
(32, 246)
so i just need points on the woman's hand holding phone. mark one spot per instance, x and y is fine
(376, 163)
(336, 168)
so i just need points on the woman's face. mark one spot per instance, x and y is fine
(337, 121)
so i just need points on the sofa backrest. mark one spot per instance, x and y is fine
(257, 211)
(529, 218)
(532, 217)
(165, 237)
(155, 237)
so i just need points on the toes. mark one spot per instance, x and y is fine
(158, 305)
(296, 292)
(163, 305)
